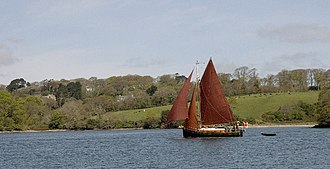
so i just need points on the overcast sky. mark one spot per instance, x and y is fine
(67, 39)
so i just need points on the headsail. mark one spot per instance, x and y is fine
(214, 106)
(179, 110)
(191, 121)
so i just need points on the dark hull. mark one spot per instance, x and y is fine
(205, 133)
(268, 134)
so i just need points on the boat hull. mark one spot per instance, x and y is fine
(211, 133)
(268, 134)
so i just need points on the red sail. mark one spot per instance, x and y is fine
(191, 121)
(179, 110)
(214, 106)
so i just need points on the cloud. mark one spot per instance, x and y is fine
(6, 57)
(297, 57)
(62, 10)
(14, 40)
(294, 61)
(225, 67)
(140, 62)
(2, 75)
(297, 33)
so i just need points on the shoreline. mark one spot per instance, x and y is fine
(282, 125)
(250, 126)
(33, 131)
(62, 130)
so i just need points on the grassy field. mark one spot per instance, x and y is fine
(245, 106)
(255, 105)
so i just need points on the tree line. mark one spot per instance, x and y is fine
(82, 103)
(246, 81)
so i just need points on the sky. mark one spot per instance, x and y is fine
(47, 39)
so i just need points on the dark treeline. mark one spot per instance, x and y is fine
(81, 103)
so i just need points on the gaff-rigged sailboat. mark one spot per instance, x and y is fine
(216, 118)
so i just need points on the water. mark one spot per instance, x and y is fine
(291, 148)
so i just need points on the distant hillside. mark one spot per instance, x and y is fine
(244, 106)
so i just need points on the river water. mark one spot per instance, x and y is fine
(293, 147)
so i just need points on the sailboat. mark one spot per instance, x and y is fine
(211, 115)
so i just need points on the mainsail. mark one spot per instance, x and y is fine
(180, 107)
(214, 106)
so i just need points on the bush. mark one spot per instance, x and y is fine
(151, 123)
(297, 112)
(9, 124)
(324, 116)
(92, 123)
(249, 119)
(323, 109)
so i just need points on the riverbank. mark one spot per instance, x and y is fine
(282, 125)
(33, 131)
(62, 130)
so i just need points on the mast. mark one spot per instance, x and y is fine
(199, 121)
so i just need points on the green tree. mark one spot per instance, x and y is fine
(241, 74)
(2, 87)
(16, 84)
(151, 123)
(108, 90)
(321, 78)
(60, 94)
(37, 112)
(56, 121)
(74, 115)
(119, 84)
(167, 80)
(284, 81)
(49, 87)
(323, 109)
(141, 99)
(100, 105)
(74, 90)
(299, 79)
(296, 112)
(225, 79)
(253, 83)
(180, 78)
(268, 84)
(164, 96)
(151, 90)
(12, 113)
(71, 90)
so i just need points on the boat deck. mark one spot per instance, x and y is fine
(213, 129)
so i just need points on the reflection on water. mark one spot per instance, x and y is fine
(290, 148)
